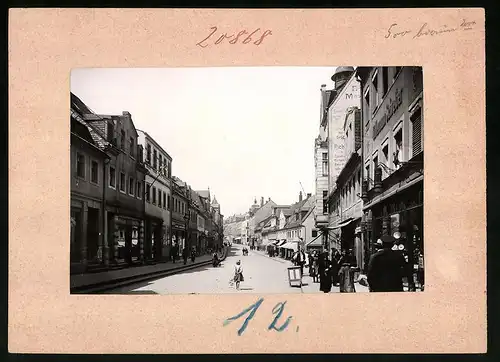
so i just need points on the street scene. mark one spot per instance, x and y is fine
(167, 183)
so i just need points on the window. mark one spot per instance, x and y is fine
(375, 165)
(159, 198)
(416, 133)
(398, 147)
(139, 190)
(122, 139)
(385, 157)
(314, 233)
(154, 195)
(131, 146)
(168, 202)
(94, 172)
(376, 88)
(155, 161)
(80, 165)
(367, 103)
(385, 80)
(111, 132)
(164, 200)
(325, 202)
(148, 192)
(165, 167)
(325, 164)
(368, 176)
(169, 169)
(160, 163)
(131, 185)
(112, 177)
(148, 154)
(122, 181)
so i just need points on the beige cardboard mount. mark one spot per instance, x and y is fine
(45, 44)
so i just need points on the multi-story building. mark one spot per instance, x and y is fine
(322, 164)
(300, 224)
(181, 214)
(88, 162)
(392, 187)
(346, 203)
(157, 239)
(329, 147)
(124, 176)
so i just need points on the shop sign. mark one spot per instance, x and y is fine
(390, 108)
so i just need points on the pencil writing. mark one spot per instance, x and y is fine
(256, 37)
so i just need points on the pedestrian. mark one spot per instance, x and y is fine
(312, 267)
(300, 260)
(193, 254)
(346, 272)
(324, 270)
(185, 254)
(238, 274)
(386, 268)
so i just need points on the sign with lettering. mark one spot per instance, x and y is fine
(390, 108)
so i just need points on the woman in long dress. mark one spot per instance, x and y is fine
(238, 274)
(325, 277)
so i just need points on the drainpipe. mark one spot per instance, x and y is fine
(105, 241)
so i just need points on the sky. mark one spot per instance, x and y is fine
(243, 132)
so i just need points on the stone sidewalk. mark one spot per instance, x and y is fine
(90, 279)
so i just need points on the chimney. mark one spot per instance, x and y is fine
(309, 195)
(262, 201)
(300, 196)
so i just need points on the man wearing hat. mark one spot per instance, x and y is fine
(386, 268)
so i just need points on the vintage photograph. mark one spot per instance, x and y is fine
(246, 180)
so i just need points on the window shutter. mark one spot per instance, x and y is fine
(417, 136)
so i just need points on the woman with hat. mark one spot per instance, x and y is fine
(386, 268)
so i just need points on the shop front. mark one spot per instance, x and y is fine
(127, 234)
(398, 211)
(179, 235)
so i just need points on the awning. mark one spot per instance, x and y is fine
(292, 246)
(281, 243)
(340, 225)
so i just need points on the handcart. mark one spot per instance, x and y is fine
(294, 276)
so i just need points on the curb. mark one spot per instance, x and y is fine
(116, 283)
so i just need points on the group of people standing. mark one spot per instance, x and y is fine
(186, 253)
(335, 270)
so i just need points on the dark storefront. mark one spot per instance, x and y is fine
(395, 207)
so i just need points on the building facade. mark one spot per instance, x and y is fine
(87, 183)
(181, 214)
(392, 188)
(158, 192)
(346, 203)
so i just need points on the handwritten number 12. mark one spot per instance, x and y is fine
(277, 310)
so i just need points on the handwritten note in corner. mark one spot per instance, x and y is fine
(396, 30)
(256, 37)
(252, 309)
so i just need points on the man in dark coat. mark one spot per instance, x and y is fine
(386, 268)
(324, 271)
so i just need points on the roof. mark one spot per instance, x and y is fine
(204, 193)
(305, 205)
(81, 113)
(339, 70)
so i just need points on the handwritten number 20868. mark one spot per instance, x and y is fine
(243, 36)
